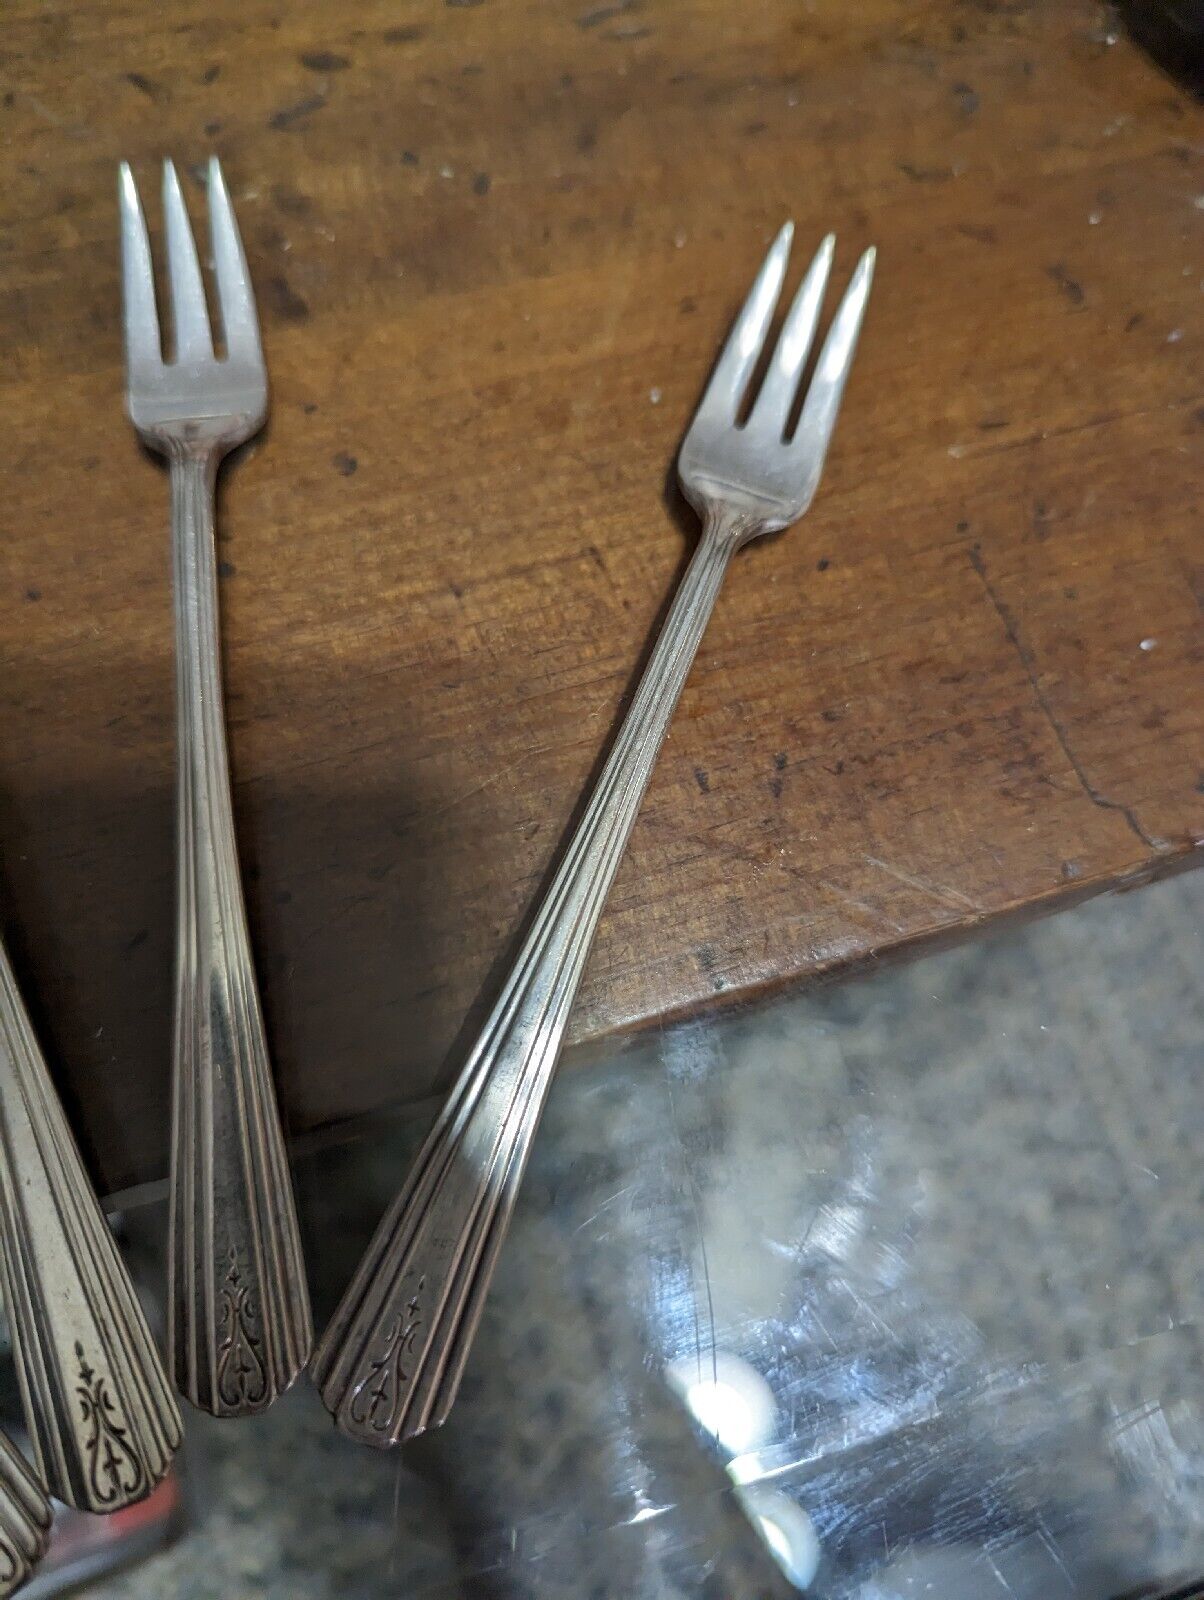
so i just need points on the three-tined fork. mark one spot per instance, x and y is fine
(238, 1306)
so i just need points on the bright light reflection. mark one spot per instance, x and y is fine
(728, 1399)
(732, 1402)
(787, 1531)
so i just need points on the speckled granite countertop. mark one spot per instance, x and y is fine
(923, 1252)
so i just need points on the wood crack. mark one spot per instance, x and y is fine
(1028, 662)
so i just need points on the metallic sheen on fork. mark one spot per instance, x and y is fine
(239, 1309)
(25, 1516)
(390, 1362)
(101, 1416)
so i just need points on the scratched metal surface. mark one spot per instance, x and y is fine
(895, 1288)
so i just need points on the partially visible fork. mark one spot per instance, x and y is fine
(101, 1416)
(390, 1362)
(239, 1310)
(24, 1519)
(25, 1516)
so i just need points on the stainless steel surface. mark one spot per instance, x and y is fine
(98, 1406)
(391, 1359)
(239, 1309)
(24, 1520)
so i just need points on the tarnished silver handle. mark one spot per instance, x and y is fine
(390, 1362)
(25, 1516)
(239, 1308)
(99, 1409)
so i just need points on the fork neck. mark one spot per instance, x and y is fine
(728, 525)
(196, 440)
(194, 586)
(193, 472)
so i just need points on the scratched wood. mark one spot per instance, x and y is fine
(496, 245)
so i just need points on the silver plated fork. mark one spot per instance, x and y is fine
(101, 1416)
(239, 1314)
(25, 1515)
(390, 1362)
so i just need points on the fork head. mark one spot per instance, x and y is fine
(760, 467)
(195, 399)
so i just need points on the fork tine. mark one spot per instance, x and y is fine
(771, 409)
(235, 298)
(142, 352)
(823, 397)
(735, 366)
(190, 317)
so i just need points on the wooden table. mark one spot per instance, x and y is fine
(496, 245)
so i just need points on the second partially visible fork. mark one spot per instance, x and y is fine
(239, 1315)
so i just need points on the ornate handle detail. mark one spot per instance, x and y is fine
(239, 1308)
(24, 1520)
(97, 1403)
(390, 1362)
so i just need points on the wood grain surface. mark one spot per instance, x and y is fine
(496, 244)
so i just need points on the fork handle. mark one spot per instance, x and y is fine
(390, 1362)
(100, 1412)
(238, 1306)
(25, 1516)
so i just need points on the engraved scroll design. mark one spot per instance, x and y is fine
(378, 1397)
(100, 1415)
(115, 1470)
(242, 1378)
